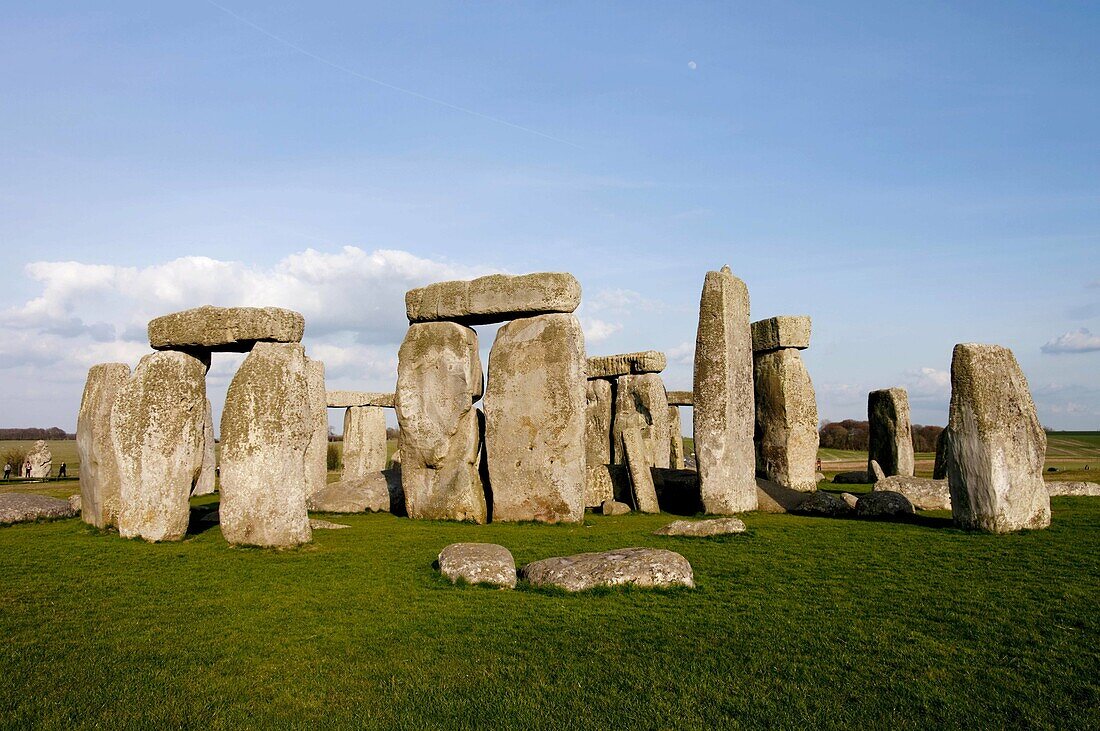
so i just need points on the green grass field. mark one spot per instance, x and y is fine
(802, 622)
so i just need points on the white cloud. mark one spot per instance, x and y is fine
(927, 384)
(682, 354)
(596, 330)
(1078, 341)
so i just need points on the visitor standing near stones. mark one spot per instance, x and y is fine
(7, 471)
(890, 439)
(724, 410)
(61, 472)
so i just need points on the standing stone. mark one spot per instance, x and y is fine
(597, 443)
(438, 380)
(267, 425)
(890, 439)
(995, 445)
(675, 439)
(364, 441)
(316, 457)
(640, 402)
(39, 461)
(939, 467)
(786, 420)
(723, 396)
(157, 430)
(641, 474)
(100, 480)
(535, 410)
(208, 474)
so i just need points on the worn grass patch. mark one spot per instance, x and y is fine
(804, 622)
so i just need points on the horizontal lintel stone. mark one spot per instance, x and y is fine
(785, 331)
(350, 399)
(626, 364)
(228, 329)
(494, 298)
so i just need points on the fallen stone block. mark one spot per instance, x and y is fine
(849, 499)
(225, 329)
(824, 504)
(17, 507)
(702, 528)
(626, 364)
(614, 507)
(494, 298)
(1087, 489)
(923, 493)
(478, 563)
(858, 477)
(638, 567)
(369, 493)
(882, 503)
(775, 498)
(318, 524)
(785, 331)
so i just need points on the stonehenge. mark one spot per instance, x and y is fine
(995, 445)
(100, 479)
(890, 439)
(786, 407)
(723, 398)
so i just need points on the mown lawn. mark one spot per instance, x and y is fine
(801, 623)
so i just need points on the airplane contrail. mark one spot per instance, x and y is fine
(379, 82)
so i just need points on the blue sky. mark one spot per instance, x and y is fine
(911, 175)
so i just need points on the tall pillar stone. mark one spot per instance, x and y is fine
(641, 403)
(267, 425)
(364, 441)
(535, 409)
(890, 441)
(675, 439)
(723, 396)
(995, 445)
(786, 406)
(208, 474)
(157, 429)
(316, 457)
(597, 442)
(439, 378)
(100, 480)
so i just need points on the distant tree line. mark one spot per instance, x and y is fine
(53, 433)
(852, 434)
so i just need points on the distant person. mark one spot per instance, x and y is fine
(7, 471)
(61, 472)
(28, 475)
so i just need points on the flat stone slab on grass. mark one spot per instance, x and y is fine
(351, 399)
(225, 329)
(626, 364)
(17, 507)
(495, 298)
(1088, 489)
(702, 528)
(318, 524)
(824, 504)
(478, 563)
(925, 494)
(883, 503)
(648, 568)
(359, 495)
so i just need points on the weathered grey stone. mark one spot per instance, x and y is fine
(370, 493)
(923, 493)
(995, 444)
(939, 467)
(205, 484)
(226, 329)
(641, 475)
(597, 428)
(680, 398)
(675, 439)
(438, 380)
(39, 461)
(626, 364)
(495, 298)
(535, 420)
(1087, 489)
(702, 528)
(318, 524)
(823, 503)
(100, 480)
(775, 498)
(640, 403)
(157, 431)
(17, 507)
(890, 439)
(819, 476)
(723, 396)
(883, 503)
(478, 563)
(640, 567)
(364, 441)
(785, 331)
(614, 507)
(316, 456)
(786, 419)
(849, 499)
(858, 477)
(267, 425)
(599, 485)
(875, 471)
(350, 399)
(75, 502)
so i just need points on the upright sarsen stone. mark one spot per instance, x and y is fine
(675, 439)
(316, 456)
(267, 425)
(535, 410)
(890, 442)
(786, 420)
(208, 474)
(100, 480)
(39, 461)
(157, 429)
(995, 445)
(723, 396)
(597, 442)
(364, 441)
(438, 380)
(641, 403)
